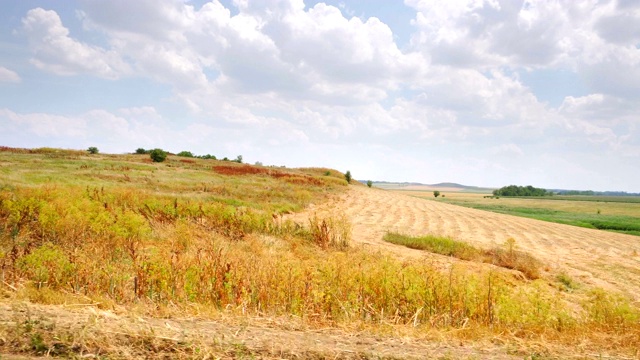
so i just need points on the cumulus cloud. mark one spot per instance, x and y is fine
(273, 47)
(603, 119)
(9, 76)
(276, 74)
(42, 125)
(55, 51)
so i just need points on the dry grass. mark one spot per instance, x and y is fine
(180, 240)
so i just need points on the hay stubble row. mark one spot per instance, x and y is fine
(594, 257)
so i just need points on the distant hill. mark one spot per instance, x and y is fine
(444, 186)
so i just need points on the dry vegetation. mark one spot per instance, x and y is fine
(205, 240)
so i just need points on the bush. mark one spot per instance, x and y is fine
(185, 154)
(158, 155)
(369, 183)
(93, 150)
(436, 193)
(347, 177)
(47, 264)
(141, 151)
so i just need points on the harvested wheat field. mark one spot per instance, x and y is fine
(594, 257)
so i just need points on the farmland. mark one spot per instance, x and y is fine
(116, 256)
(620, 214)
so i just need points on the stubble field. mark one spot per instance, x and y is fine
(593, 257)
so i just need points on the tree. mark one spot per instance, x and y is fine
(185, 154)
(141, 151)
(238, 159)
(514, 190)
(158, 155)
(436, 193)
(347, 177)
(369, 183)
(93, 150)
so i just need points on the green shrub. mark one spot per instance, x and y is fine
(93, 150)
(347, 176)
(436, 193)
(158, 155)
(185, 154)
(369, 183)
(47, 264)
(141, 151)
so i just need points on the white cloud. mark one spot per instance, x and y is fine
(56, 52)
(9, 76)
(43, 125)
(276, 79)
(603, 119)
(507, 150)
(490, 33)
(271, 47)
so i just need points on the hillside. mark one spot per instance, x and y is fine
(445, 186)
(116, 256)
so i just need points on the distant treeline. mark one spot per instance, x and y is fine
(595, 193)
(189, 154)
(514, 190)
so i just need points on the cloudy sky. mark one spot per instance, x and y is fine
(479, 92)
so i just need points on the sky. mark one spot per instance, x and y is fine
(478, 92)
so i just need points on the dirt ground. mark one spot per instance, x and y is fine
(592, 257)
(104, 334)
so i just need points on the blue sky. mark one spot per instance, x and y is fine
(479, 92)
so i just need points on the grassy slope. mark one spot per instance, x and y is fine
(201, 236)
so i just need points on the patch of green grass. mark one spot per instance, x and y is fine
(617, 223)
(568, 283)
(435, 244)
(506, 257)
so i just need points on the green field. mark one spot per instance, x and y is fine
(619, 214)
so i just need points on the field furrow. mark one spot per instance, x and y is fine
(594, 257)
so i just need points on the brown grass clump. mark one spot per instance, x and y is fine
(511, 258)
(293, 178)
(334, 232)
(240, 170)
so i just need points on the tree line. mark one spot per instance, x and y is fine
(514, 190)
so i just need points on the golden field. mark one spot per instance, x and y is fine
(118, 257)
